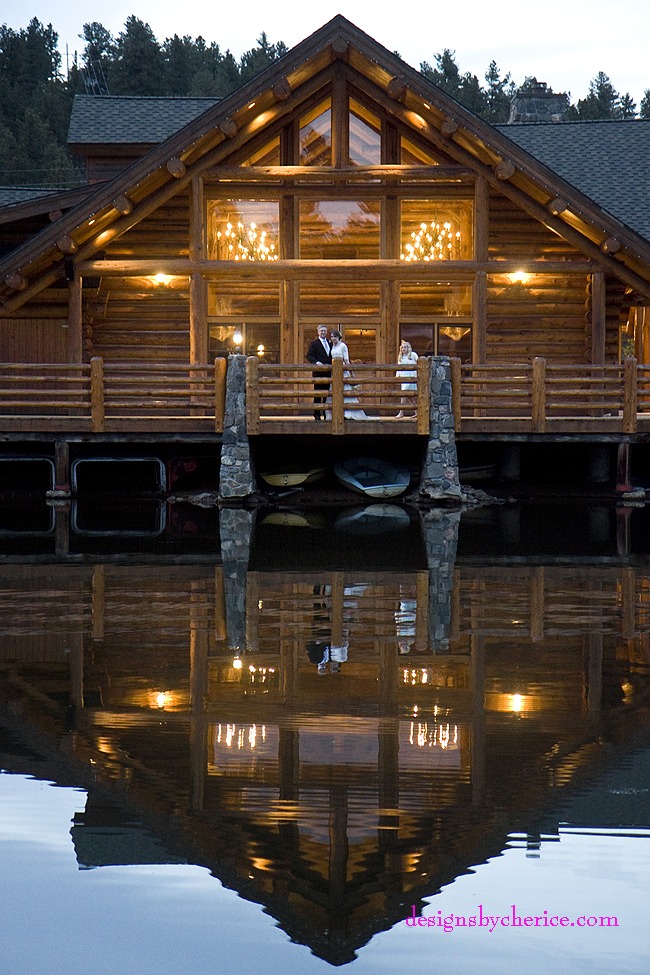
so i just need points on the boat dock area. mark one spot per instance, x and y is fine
(67, 414)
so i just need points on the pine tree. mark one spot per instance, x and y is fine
(139, 65)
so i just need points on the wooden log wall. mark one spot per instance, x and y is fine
(133, 318)
(552, 315)
(33, 339)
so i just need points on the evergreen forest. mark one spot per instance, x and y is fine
(36, 89)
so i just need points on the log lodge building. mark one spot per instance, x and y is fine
(341, 187)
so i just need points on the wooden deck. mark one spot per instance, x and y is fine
(536, 399)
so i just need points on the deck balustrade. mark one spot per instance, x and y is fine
(536, 397)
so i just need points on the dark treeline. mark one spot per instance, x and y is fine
(36, 99)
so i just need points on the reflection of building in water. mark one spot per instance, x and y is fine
(335, 804)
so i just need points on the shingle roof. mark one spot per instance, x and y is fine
(607, 161)
(131, 120)
(20, 194)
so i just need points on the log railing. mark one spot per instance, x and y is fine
(536, 397)
(100, 397)
(543, 397)
(280, 399)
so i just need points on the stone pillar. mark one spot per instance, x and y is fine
(236, 477)
(439, 479)
(440, 531)
(235, 528)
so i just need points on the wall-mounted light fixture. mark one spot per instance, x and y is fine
(162, 280)
(237, 337)
(519, 277)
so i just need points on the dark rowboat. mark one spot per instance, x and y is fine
(373, 477)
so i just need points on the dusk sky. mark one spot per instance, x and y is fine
(564, 44)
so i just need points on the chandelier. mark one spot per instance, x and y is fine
(432, 242)
(247, 243)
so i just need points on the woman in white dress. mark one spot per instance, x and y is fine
(407, 358)
(340, 351)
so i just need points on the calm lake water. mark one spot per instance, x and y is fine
(238, 742)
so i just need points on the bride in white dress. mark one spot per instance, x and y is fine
(340, 351)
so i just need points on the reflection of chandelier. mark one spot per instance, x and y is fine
(455, 332)
(435, 735)
(247, 243)
(240, 737)
(432, 242)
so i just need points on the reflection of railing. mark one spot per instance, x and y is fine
(542, 397)
(112, 397)
(281, 398)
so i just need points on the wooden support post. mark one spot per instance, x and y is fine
(220, 366)
(61, 469)
(421, 611)
(628, 599)
(539, 395)
(97, 394)
(481, 210)
(424, 394)
(455, 393)
(629, 396)
(198, 286)
(478, 735)
(75, 321)
(98, 602)
(479, 332)
(598, 317)
(338, 407)
(537, 589)
(252, 396)
(623, 467)
(220, 630)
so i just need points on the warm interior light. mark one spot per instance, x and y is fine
(516, 703)
(237, 664)
(237, 337)
(455, 332)
(519, 277)
(247, 243)
(162, 279)
(433, 241)
(260, 350)
(163, 700)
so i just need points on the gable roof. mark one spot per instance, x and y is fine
(608, 161)
(120, 120)
(156, 177)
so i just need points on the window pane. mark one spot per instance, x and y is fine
(365, 136)
(262, 340)
(238, 300)
(436, 230)
(339, 229)
(455, 341)
(330, 302)
(414, 155)
(243, 230)
(268, 155)
(316, 137)
(436, 300)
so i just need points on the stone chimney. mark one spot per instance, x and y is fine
(536, 102)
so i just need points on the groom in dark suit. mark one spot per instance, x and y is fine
(319, 353)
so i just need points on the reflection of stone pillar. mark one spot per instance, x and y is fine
(236, 478)
(236, 527)
(98, 602)
(440, 530)
(439, 478)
